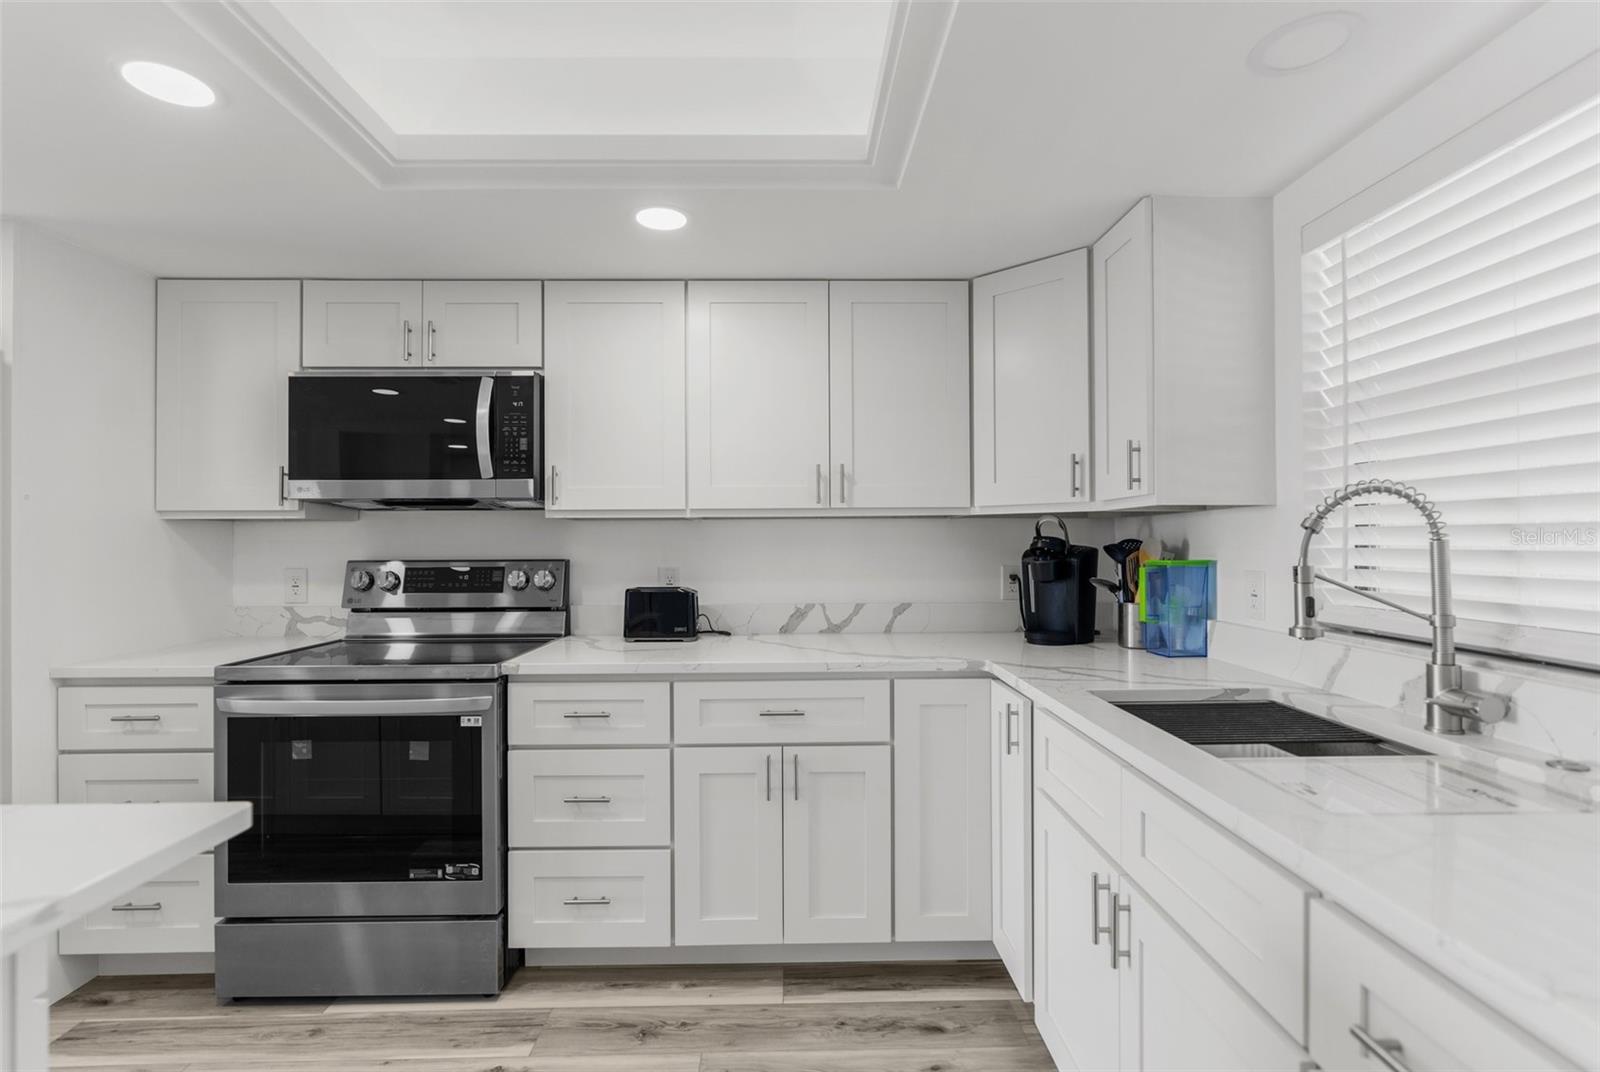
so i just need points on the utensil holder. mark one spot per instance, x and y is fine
(1130, 630)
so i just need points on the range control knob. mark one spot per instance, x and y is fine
(389, 581)
(517, 580)
(360, 580)
(544, 580)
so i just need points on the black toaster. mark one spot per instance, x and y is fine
(660, 614)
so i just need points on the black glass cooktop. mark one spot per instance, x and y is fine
(364, 660)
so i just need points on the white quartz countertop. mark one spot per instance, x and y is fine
(59, 862)
(197, 661)
(1505, 903)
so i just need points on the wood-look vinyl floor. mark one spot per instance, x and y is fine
(933, 1017)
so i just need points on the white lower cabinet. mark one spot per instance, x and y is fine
(1366, 994)
(942, 885)
(787, 844)
(608, 897)
(171, 914)
(134, 778)
(589, 797)
(1012, 852)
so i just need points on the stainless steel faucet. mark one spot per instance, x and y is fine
(1448, 708)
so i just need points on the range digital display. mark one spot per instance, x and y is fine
(443, 579)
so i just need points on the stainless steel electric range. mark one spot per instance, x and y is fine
(375, 861)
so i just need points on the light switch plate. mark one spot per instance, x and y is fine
(1255, 594)
(295, 583)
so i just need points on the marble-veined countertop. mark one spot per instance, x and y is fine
(190, 662)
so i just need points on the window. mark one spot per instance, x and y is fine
(1453, 343)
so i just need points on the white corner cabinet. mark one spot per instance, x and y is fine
(1010, 751)
(401, 323)
(224, 352)
(1182, 347)
(828, 397)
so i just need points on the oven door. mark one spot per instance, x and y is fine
(370, 799)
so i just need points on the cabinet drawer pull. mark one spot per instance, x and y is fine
(782, 714)
(587, 714)
(1096, 887)
(1118, 909)
(135, 718)
(405, 348)
(1387, 1051)
(154, 906)
(586, 800)
(587, 901)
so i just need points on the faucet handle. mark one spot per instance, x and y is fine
(1484, 707)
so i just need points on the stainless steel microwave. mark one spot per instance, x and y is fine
(415, 440)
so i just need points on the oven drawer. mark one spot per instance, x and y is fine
(589, 797)
(122, 718)
(587, 899)
(171, 914)
(134, 778)
(589, 714)
(780, 712)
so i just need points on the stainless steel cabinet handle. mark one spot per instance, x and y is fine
(1077, 488)
(1387, 1051)
(819, 483)
(1096, 887)
(586, 800)
(841, 484)
(283, 478)
(1135, 480)
(797, 775)
(552, 484)
(769, 775)
(154, 906)
(587, 714)
(405, 349)
(433, 343)
(778, 714)
(1012, 712)
(587, 901)
(135, 718)
(1118, 909)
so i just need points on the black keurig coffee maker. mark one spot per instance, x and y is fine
(1056, 597)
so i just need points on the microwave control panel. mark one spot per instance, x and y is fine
(517, 402)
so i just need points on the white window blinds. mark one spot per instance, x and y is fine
(1453, 343)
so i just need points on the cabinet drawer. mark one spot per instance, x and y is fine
(1080, 777)
(1359, 979)
(569, 798)
(104, 718)
(134, 778)
(590, 713)
(1242, 910)
(780, 712)
(171, 914)
(586, 899)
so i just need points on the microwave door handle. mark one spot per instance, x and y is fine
(485, 396)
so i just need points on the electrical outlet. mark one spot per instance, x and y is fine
(1255, 594)
(1010, 579)
(294, 584)
(671, 576)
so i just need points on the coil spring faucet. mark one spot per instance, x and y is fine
(1448, 708)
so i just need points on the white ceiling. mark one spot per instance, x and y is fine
(1044, 121)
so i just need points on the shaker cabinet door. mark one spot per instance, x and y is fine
(1030, 384)
(1011, 833)
(1124, 356)
(836, 844)
(728, 845)
(491, 324)
(360, 323)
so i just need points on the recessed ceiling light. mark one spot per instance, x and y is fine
(660, 218)
(1303, 43)
(384, 391)
(168, 84)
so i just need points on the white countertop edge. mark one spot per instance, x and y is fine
(130, 845)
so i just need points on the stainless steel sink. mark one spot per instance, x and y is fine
(1257, 729)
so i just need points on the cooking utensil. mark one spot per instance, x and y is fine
(1118, 552)
(1110, 586)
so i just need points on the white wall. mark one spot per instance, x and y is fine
(776, 560)
(1547, 42)
(90, 569)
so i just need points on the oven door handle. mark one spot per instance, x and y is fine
(430, 705)
(485, 397)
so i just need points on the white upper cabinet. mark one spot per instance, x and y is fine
(482, 324)
(361, 323)
(1123, 352)
(898, 381)
(1030, 385)
(1183, 361)
(224, 351)
(614, 396)
(758, 396)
